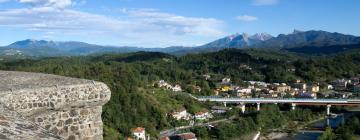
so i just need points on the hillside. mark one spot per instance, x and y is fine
(131, 76)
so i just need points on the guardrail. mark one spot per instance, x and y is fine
(276, 100)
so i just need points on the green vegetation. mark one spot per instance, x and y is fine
(135, 101)
(268, 119)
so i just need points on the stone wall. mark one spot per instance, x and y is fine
(67, 107)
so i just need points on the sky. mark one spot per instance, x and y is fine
(164, 23)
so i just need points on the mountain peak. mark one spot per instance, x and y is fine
(261, 36)
(31, 43)
(297, 31)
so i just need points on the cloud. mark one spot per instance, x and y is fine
(61, 4)
(176, 24)
(2, 1)
(134, 26)
(264, 2)
(246, 18)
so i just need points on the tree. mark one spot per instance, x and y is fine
(328, 134)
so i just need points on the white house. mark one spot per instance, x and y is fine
(225, 80)
(139, 133)
(181, 114)
(162, 83)
(244, 90)
(202, 115)
(176, 88)
(330, 87)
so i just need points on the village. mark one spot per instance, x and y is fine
(339, 88)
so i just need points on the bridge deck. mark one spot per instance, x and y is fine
(281, 100)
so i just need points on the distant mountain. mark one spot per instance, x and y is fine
(238, 41)
(298, 41)
(323, 50)
(295, 39)
(44, 48)
(309, 38)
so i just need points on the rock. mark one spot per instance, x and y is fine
(53, 102)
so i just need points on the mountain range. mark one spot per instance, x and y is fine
(296, 41)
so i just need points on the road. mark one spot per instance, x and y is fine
(280, 100)
(173, 131)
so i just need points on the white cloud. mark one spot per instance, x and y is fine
(246, 18)
(61, 4)
(264, 2)
(133, 26)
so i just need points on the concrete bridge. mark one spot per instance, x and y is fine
(293, 101)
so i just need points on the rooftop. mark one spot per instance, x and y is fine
(187, 136)
(138, 130)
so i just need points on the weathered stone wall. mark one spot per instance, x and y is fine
(68, 107)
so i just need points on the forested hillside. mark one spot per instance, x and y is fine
(135, 102)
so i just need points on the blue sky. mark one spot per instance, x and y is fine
(162, 23)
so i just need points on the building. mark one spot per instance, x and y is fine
(300, 86)
(245, 90)
(202, 115)
(225, 88)
(162, 83)
(165, 138)
(184, 136)
(216, 92)
(181, 114)
(218, 109)
(258, 83)
(176, 88)
(282, 88)
(244, 66)
(314, 88)
(226, 81)
(340, 84)
(206, 76)
(139, 133)
(330, 87)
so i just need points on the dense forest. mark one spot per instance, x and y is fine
(135, 102)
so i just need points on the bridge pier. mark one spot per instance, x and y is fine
(258, 106)
(225, 104)
(242, 107)
(293, 106)
(328, 109)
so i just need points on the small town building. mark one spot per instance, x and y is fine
(225, 88)
(216, 92)
(202, 115)
(226, 81)
(181, 114)
(340, 84)
(314, 88)
(162, 83)
(206, 76)
(330, 87)
(244, 66)
(165, 138)
(282, 88)
(139, 133)
(301, 86)
(184, 136)
(218, 109)
(176, 88)
(244, 90)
